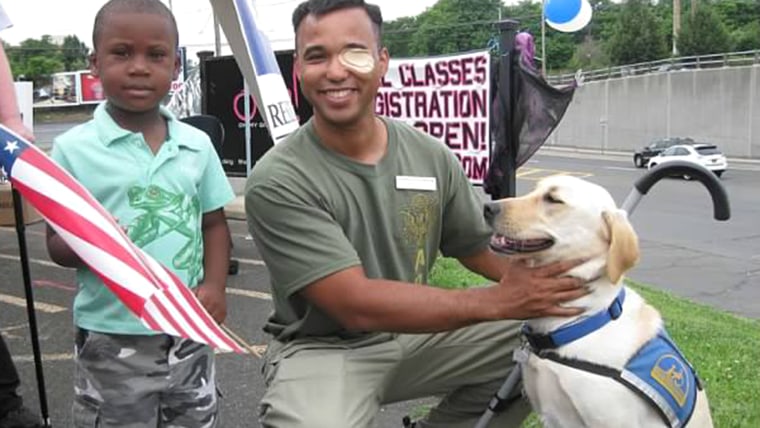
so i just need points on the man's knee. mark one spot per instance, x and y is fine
(305, 416)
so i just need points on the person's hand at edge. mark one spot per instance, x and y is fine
(17, 126)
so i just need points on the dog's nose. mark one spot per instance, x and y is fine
(490, 211)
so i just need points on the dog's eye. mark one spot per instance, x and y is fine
(550, 198)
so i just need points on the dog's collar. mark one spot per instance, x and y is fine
(576, 330)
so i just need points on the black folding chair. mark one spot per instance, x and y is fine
(214, 128)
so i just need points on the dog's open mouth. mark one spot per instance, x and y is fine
(506, 245)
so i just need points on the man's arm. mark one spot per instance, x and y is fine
(216, 259)
(363, 304)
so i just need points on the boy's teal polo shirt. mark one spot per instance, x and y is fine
(160, 198)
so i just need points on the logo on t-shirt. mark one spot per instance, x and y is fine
(164, 214)
(417, 217)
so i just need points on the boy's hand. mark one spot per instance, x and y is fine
(212, 298)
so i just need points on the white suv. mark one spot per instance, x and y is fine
(706, 155)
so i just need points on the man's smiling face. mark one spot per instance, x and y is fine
(333, 63)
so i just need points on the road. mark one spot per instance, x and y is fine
(683, 250)
(46, 132)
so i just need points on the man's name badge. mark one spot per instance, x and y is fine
(407, 182)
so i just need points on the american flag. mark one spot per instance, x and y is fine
(151, 291)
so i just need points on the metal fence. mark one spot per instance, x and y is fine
(729, 59)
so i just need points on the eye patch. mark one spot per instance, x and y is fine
(358, 60)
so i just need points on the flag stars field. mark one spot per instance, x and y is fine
(11, 146)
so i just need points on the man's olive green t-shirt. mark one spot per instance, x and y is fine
(314, 212)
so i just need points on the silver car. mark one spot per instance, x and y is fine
(706, 155)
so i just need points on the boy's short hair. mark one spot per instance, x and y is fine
(322, 7)
(132, 6)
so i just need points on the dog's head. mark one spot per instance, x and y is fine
(565, 218)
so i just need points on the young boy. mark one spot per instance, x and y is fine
(163, 182)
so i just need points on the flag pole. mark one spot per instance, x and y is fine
(24, 258)
(241, 341)
(507, 30)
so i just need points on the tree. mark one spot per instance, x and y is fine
(559, 50)
(74, 53)
(39, 68)
(603, 21)
(589, 55)
(742, 20)
(36, 60)
(638, 35)
(397, 36)
(629, 32)
(703, 34)
(735, 14)
(747, 38)
(453, 26)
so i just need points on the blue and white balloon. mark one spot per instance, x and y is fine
(567, 15)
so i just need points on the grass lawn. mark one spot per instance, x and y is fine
(724, 348)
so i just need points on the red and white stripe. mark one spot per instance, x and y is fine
(151, 291)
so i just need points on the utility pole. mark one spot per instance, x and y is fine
(543, 39)
(693, 11)
(676, 24)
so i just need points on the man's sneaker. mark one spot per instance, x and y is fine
(21, 418)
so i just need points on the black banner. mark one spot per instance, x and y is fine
(223, 97)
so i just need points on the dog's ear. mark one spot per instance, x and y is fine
(624, 244)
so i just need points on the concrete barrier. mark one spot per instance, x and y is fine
(720, 106)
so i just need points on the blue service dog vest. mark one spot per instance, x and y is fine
(658, 372)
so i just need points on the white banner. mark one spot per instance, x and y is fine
(449, 98)
(258, 64)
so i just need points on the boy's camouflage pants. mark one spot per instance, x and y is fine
(143, 381)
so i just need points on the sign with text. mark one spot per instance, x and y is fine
(259, 65)
(224, 97)
(448, 97)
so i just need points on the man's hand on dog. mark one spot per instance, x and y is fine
(530, 292)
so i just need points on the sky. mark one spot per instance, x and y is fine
(35, 18)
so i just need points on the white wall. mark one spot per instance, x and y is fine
(25, 97)
(720, 106)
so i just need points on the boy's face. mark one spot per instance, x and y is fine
(340, 92)
(136, 60)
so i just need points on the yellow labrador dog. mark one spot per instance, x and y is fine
(614, 365)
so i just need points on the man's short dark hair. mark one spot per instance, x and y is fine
(114, 7)
(323, 7)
